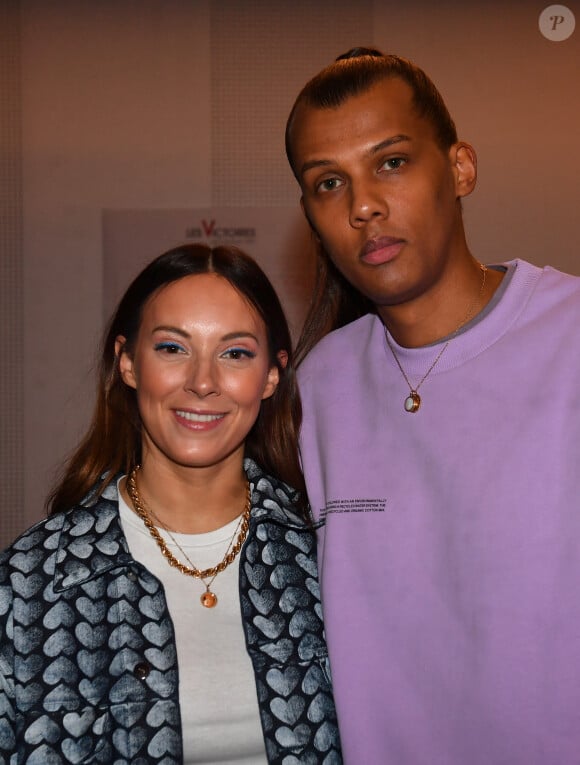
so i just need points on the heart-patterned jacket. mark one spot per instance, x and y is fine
(88, 664)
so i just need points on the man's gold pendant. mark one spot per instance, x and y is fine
(412, 402)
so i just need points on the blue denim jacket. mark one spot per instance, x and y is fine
(88, 664)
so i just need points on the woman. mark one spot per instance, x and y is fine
(168, 609)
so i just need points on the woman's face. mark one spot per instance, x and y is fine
(200, 368)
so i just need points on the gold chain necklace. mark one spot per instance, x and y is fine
(413, 400)
(208, 599)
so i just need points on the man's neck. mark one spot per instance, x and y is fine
(440, 314)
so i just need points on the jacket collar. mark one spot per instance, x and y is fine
(272, 499)
(92, 540)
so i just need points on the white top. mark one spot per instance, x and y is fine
(217, 687)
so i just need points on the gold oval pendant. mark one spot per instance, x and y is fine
(208, 599)
(412, 402)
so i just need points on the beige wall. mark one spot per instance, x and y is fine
(515, 96)
(181, 103)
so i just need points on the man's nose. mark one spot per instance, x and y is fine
(367, 202)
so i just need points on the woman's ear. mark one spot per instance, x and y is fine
(271, 382)
(274, 374)
(126, 366)
(464, 162)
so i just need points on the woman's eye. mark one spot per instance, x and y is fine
(168, 347)
(330, 184)
(236, 354)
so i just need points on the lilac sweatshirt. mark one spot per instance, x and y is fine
(450, 558)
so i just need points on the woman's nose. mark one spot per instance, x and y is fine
(202, 378)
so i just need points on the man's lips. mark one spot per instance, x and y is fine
(381, 250)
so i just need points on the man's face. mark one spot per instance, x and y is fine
(381, 193)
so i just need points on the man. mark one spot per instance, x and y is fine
(440, 440)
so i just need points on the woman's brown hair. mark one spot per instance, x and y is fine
(113, 442)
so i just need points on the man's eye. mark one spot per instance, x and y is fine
(394, 163)
(330, 184)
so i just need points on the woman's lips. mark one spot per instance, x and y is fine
(199, 420)
(381, 250)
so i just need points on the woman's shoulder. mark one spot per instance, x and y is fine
(272, 499)
(34, 537)
(31, 549)
(27, 563)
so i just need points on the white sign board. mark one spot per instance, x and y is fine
(278, 238)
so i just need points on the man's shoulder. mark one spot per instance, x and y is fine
(352, 339)
(547, 275)
(557, 278)
(551, 291)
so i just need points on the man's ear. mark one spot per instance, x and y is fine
(126, 366)
(464, 162)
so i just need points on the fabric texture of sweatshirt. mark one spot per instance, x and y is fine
(450, 554)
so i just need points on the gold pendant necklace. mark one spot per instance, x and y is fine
(413, 400)
(208, 599)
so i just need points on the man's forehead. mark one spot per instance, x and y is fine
(388, 95)
(382, 107)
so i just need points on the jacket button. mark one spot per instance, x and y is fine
(141, 670)
(131, 576)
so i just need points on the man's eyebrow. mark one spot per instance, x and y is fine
(388, 142)
(315, 163)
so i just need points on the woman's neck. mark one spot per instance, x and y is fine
(191, 500)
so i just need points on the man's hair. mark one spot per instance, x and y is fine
(355, 72)
(335, 302)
